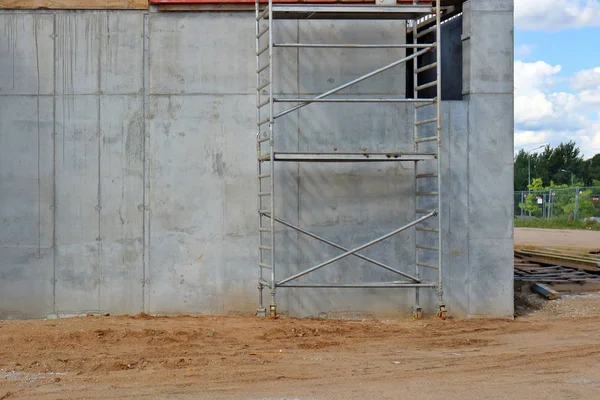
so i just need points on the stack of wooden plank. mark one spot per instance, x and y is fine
(541, 267)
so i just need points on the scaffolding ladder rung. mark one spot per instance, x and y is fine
(264, 194)
(424, 211)
(258, 53)
(264, 103)
(426, 31)
(266, 266)
(265, 212)
(264, 157)
(263, 139)
(264, 229)
(426, 104)
(421, 176)
(264, 85)
(420, 264)
(264, 121)
(426, 121)
(426, 85)
(426, 67)
(426, 139)
(427, 229)
(426, 194)
(261, 69)
(263, 176)
(262, 32)
(263, 13)
(420, 246)
(263, 247)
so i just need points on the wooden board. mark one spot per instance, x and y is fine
(75, 4)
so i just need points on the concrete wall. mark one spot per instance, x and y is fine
(127, 166)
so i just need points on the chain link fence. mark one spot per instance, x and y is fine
(573, 202)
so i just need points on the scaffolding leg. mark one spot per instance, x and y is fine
(261, 311)
(273, 306)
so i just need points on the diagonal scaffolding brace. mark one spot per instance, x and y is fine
(357, 80)
(304, 231)
(356, 249)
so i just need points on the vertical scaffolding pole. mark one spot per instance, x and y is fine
(258, 163)
(438, 60)
(273, 306)
(416, 313)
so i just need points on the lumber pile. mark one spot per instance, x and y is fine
(546, 267)
(583, 261)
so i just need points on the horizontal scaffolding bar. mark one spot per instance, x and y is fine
(355, 46)
(264, 85)
(354, 81)
(267, 266)
(351, 11)
(426, 229)
(423, 247)
(304, 231)
(426, 193)
(423, 211)
(264, 194)
(351, 100)
(352, 157)
(426, 139)
(262, 176)
(264, 229)
(427, 85)
(262, 247)
(359, 285)
(420, 264)
(356, 249)
(421, 176)
(263, 13)
(427, 67)
(266, 213)
(426, 121)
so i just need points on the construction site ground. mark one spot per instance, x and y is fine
(551, 351)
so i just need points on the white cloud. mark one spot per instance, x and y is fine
(555, 15)
(544, 115)
(524, 50)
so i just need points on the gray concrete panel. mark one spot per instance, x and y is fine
(491, 274)
(78, 48)
(490, 166)
(323, 69)
(488, 48)
(26, 54)
(78, 203)
(121, 53)
(191, 53)
(26, 207)
(121, 199)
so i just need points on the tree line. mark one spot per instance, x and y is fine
(559, 166)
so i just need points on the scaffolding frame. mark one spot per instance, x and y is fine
(419, 14)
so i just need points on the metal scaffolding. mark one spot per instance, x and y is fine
(424, 20)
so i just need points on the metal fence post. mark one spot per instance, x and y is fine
(576, 202)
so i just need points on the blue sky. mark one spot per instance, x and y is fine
(557, 73)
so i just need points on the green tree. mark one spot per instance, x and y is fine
(530, 205)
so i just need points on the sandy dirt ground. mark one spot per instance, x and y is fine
(557, 237)
(552, 351)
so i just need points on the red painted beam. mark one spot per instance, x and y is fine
(266, 1)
